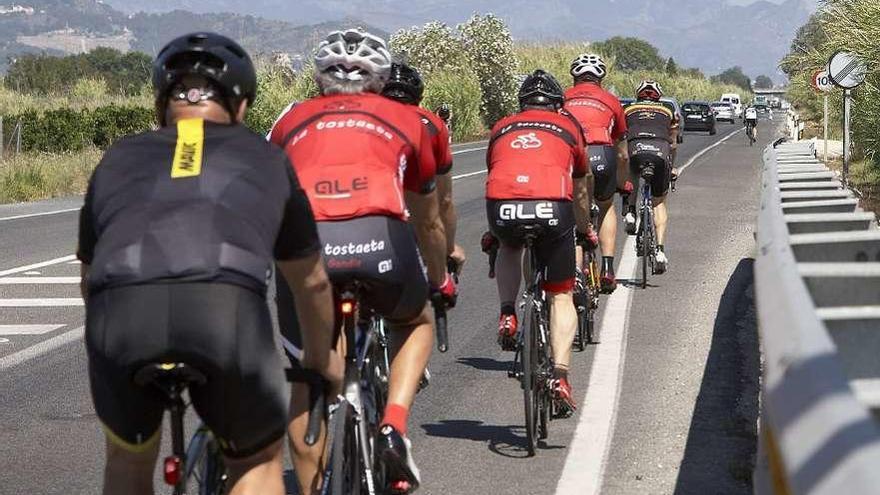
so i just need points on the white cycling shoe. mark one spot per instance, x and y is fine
(629, 221)
(661, 263)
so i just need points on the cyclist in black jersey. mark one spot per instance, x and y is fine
(177, 237)
(652, 131)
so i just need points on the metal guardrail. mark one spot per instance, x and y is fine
(817, 282)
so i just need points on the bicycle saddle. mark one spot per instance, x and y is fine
(167, 374)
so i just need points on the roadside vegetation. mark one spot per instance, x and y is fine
(70, 108)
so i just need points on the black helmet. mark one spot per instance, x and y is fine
(542, 89)
(216, 58)
(404, 84)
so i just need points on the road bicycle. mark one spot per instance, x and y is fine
(646, 231)
(533, 362)
(200, 464)
(586, 295)
(751, 133)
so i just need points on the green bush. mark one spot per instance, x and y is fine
(113, 122)
(461, 91)
(65, 129)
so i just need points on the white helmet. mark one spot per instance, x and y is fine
(351, 54)
(649, 90)
(589, 64)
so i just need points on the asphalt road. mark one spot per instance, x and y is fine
(671, 405)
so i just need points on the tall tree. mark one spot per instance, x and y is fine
(735, 76)
(763, 82)
(632, 53)
(671, 67)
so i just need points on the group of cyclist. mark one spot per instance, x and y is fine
(182, 228)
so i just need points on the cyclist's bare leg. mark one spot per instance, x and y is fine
(128, 472)
(661, 219)
(307, 461)
(508, 273)
(413, 342)
(608, 226)
(563, 326)
(261, 473)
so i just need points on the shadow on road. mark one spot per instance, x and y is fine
(507, 441)
(485, 364)
(722, 440)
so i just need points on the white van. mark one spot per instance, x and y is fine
(734, 100)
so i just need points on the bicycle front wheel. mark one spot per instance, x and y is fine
(529, 373)
(204, 469)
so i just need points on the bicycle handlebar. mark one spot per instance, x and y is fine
(440, 308)
(317, 400)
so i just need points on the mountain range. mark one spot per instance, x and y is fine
(710, 34)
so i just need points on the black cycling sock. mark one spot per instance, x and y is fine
(659, 247)
(508, 309)
(607, 263)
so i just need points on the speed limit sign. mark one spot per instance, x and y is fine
(822, 81)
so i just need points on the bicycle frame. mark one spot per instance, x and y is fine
(646, 234)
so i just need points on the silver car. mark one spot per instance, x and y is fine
(724, 111)
(672, 104)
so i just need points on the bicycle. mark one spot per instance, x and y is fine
(532, 363)
(750, 132)
(202, 461)
(646, 232)
(586, 295)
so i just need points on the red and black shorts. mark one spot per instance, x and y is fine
(379, 253)
(653, 155)
(555, 247)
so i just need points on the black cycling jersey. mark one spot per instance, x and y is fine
(195, 202)
(648, 119)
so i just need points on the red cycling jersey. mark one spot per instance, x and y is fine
(439, 139)
(356, 154)
(598, 111)
(534, 155)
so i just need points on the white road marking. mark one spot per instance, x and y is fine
(32, 273)
(41, 349)
(28, 329)
(74, 262)
(38, 280)
(43, 214)
(21, 269)
(465, 176)
(4, 341)
(703, 152)
(585, 465)
(470, 150)
(57, 302)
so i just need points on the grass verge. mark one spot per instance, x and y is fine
(34, 176)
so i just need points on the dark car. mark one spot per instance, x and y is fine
(698, 116)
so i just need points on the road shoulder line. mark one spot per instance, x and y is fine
(41, 349)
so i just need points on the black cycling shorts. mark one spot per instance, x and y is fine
(603, 161)
(555, 247)
(222, 330)
(382, 255)
(654, 154)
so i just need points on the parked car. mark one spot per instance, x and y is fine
(724, 111)
(672, 104)
(698, 116)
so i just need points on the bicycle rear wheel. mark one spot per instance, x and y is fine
(344, 465)
(529, 375)
(205, 470)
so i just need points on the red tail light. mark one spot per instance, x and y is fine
(172, 470)
(347, 307)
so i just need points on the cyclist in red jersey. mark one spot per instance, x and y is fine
(406, 86)
(601, 115)
(367, 166)
(538, 174)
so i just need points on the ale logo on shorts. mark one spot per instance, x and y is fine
(526, 142)
(520, 211)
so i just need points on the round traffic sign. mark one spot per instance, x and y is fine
(822, 82)
(846, 70)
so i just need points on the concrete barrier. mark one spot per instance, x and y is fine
(817, 283)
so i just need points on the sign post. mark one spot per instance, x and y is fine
(822, 83)
(848, 72)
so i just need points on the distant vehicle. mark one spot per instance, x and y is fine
(775, 102)
(735, 100)
(625, 102)
(785, 105)
(760, 100)
(724, 111)
(698, 116)
(672, 104)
